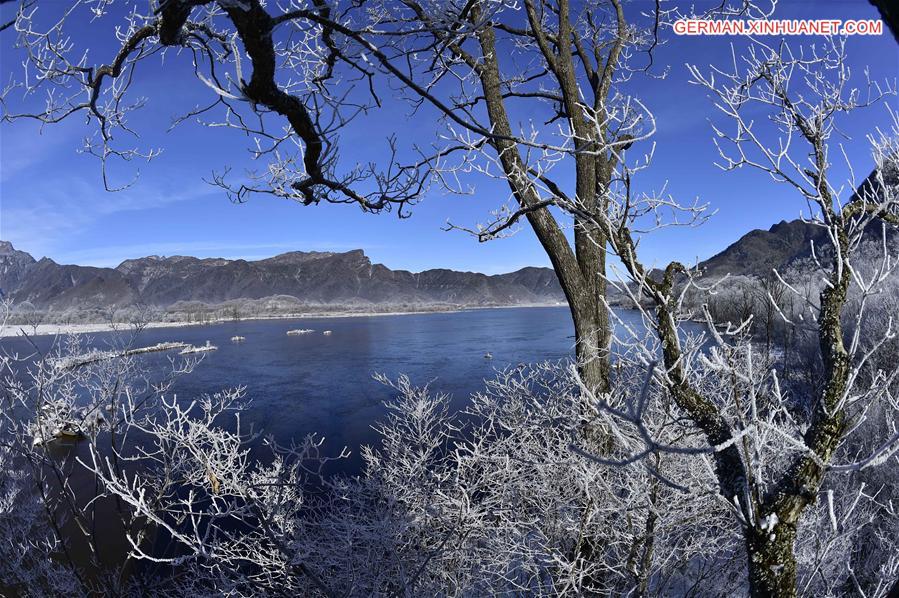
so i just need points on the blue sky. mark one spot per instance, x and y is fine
(52, 201)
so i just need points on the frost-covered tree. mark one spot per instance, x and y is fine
(718, 474)
(489, 501)
(55, 517)
(776, 450)
(292, 76)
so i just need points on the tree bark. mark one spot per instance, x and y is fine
(772, 563)
(578, 271)
(591, 333)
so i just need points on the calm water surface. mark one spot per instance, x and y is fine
(321, 384)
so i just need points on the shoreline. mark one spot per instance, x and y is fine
(20, 330)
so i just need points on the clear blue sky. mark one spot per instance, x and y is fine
(53, 202)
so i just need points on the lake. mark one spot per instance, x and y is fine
(323, 384)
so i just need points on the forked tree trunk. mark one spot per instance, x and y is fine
(581, 269)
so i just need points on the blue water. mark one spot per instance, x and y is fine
(321, 384)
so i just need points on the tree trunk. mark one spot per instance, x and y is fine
(772, 564)
(579, 270)
(591, 334)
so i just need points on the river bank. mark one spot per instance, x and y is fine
(13, 330)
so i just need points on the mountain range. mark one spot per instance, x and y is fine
(313, 278)
(337, 279)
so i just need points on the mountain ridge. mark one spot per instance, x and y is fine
(760, 251)
(312, 277)
(350, 278)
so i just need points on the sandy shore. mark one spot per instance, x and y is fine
(65, 329)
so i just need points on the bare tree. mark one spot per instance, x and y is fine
(500, 507)
(771, 294)
(304, 72)
(702, 438)
(140, 316)
(505, 498)
(772, 483)
(29, 315)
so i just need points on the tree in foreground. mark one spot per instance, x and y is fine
(498, 499)
(778, 449)
(723, 474)
(292, 77)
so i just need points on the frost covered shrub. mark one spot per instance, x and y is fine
(507, 497)
(26, 540)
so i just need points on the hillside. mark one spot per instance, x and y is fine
(758, 252)
(347, 279)
(315, 278)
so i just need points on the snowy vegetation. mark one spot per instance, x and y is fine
(759, 458)
(508, 496)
